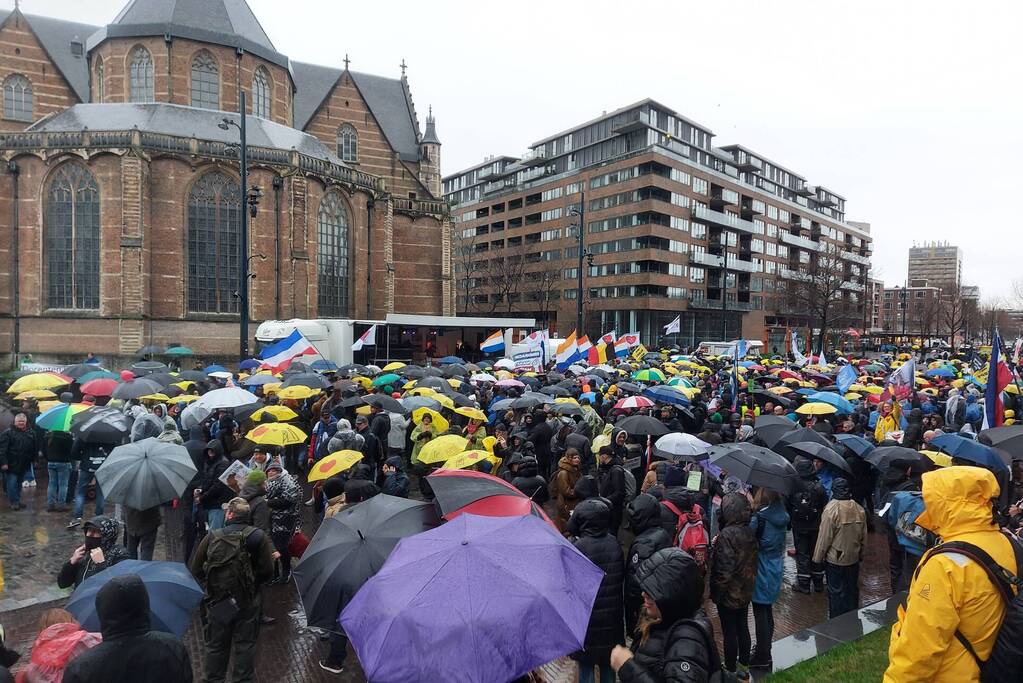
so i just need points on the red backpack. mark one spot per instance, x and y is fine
(690, 534)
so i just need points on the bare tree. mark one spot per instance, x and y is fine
(818, 287)
(468, 265)
(954, 315)
(991, 314)
(504, 278)
(541, 287)
(928, 315)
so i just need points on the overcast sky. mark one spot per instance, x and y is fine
(910, 110)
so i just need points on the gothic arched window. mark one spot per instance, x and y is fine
(141, 76)
(332, 257)
(214, 244)
(101, 86)
(72, 239)
(261, 93)
(205, 81)
(17, 98)
(347, 143)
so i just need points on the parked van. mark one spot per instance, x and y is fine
(723, 348)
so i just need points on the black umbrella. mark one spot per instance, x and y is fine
(522, 402)
(554, 377)
(296, 367)
(150, 350)
(461, 400)
(770, 428)
(1008, 439)
(354, 369)
(351, 547)
(313, 380)
(642, 425)
(147, 367)
(531, 382)
(163, 378)
(434, 383)
(100, 425)
(76, 371)
(385, 403)
(629, 386)
(555, 391)
(433, 372)
(757, 466)
(135, 388)
(802, 434)
(883, 456)
(567, 409)
(456, 370)
(193, 376)
(812, 449)
(413, 403)
(762, 397)
(542, 398)
(412, 372)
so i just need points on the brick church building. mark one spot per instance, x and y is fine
(120, 204)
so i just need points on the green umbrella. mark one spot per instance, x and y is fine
(180, 351)
(58, 418)
(97, 374)
(389, 378)
(651, 375)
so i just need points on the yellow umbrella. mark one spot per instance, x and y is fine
(159, 398)
(600, 441)
(363, 410)
(392, 366)
(271, 388)
(939, 459)
(335, 463)
(853, 396)
(816, 409)
(36, 394)
(444, 401)
(874, 389)
(297, 392)
(472, 413)
(282, 413)
(408, 385)
(503, 374)
(38, 380)
(185, 398)
(1011, 389)
(465, 459)
(780, 390)
(276, 434)
(438, 420)
(454, 382)
(183, 385)
(364, 382)
(791, 380)
(808, 385)
(566, 399)
(442, 448)
(421, 391)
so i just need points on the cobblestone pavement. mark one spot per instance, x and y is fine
(34, 543)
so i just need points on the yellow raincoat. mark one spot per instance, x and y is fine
(950, 591)
(888, 423)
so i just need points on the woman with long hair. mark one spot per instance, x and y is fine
(769, 523)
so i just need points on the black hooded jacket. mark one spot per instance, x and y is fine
(807, 502)
(530, 482)
(130, 651)
(680, 497)
(680, 648)
(215, 492)
(113, 552)
(607, 625)
(914, 434)
(645, 520)
(733, 555)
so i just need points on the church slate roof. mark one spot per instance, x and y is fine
(56, 35)
(176, 119)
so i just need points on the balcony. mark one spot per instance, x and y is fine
(804, 190)
(537, 155)
(715, 304)
(824, 199)
(747, 164)
(496, 186)
(705, 260)
(856, 258)
(790, 274)
(797, 241)
(636, 120)
(748, 211)
(711, 217)
(852, 286)
(741, 266)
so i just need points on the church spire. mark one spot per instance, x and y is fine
(430, 136)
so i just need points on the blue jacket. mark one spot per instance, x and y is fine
(903, 509)
(769, 525)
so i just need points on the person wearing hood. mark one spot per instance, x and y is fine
(840, 545)
(913, 436)
(396, 482)
(213, 493)
(60, 640)
(540, 434)
(510, 468)
(530, 483)
(568, 437)
(769, 523)
(170, 434)
(673, 640)
(100, 551)
(146, 426)
(422, 434)
(334, 492)
(611, 477)
(131, 651)
(254, 493)
(645, 522)
(805, 506)
(901, 476)
(284, 498)
(732, 575)
(562, 488)
(951, 599)
(596, 541)
(192, 526)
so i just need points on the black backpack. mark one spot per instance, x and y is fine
(1003, 665)
(228, 567)
(803, 509)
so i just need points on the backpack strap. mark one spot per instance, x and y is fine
(678, 513)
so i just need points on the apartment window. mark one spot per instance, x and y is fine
(772, 212)
(783, 215)
(571, 273)
(205, 81)
(772, 249)
(700, 186)
(698, 231)
(804, 256)
(676, 269)
(17, 98)
(757, 246)
(553, 193)
(548, 235)
(676, 292)
(679, 200)
(551, 214)
(759, 206)
(698, 250)
(697, 275)
(141, 76)
(680, 223)
(570, 293)
(680, 176)
(677, 247)
(758, 226)
(772, 230)
(783, 251)
(770, 267)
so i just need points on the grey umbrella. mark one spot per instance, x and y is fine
(136, 388)
(415, 402)
(312, 380)
(756, 466)
(812, 449)
(146, 473)
(147, 367)
(385, 403)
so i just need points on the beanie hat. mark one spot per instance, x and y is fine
(673, 477)
(255, 477)
(716, 418)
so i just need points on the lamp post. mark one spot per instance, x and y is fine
(581, 213)
(902, 296)
(251, 198)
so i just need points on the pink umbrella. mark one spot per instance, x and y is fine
(634, 402)
(509, 383)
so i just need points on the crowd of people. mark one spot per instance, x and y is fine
(587, 446)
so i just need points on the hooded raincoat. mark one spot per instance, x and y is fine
(949, 591)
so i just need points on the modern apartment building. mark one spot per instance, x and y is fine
(936, 264)
(875, 308)
(674, 225)
(914, 311)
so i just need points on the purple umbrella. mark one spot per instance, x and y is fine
(477, 599)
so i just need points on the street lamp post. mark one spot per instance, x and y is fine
(581, 213)
(251, 198)
(724, 293)
(902, 296)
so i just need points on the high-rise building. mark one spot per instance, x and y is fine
(674, 226)
(914, 311)
(935, 264)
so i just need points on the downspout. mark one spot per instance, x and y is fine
(12, 168)
(369, 259)
(278, 185)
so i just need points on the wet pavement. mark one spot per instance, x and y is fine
(34, 544)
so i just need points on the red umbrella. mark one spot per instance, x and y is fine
(788, 374)
(461, 491)
(100, 387)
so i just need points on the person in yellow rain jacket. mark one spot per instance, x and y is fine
(949, 591)
(888, 419)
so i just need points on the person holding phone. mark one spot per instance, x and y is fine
(99, 551)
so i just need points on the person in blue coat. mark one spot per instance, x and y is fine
(769, 524)
(900, 513)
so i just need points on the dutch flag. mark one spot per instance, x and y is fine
(494, 343)
(278, 356)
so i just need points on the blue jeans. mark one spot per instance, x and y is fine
(586, 673)
(13, 482)
(84, 479)
(215, 518)
(56, 490)
(30, 473)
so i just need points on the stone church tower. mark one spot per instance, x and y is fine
(429, 157)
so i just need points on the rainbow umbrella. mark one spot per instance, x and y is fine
(58, 418)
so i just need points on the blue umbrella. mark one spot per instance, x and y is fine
(450, 360)
(249, 364)
(968, 449)
(214, 368)
(588, 395)
(806, 391)
(173, 595)
(856, 444)
(97, 374)
(941, 371)
(440, 607)
(323, 365)
(842, 404)
(666, 394)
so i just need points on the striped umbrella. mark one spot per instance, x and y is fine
(58, 418)
(634, 402)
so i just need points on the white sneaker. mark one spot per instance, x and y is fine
(331, 669)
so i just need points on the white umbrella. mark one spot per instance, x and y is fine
(577, 369)
(228, 397)
(505, 364)
(194, 415)
(676, 446)
(482, 377)
(146, 473)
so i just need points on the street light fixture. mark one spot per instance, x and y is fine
(252, 199)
